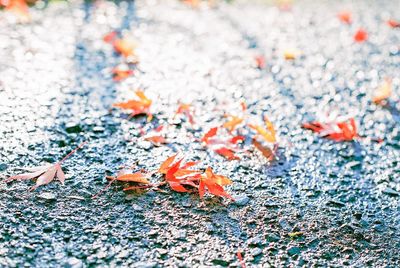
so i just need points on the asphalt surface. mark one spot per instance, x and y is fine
(320, 204)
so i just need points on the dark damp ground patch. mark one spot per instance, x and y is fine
(322, 203)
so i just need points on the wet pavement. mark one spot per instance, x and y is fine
(320, 204)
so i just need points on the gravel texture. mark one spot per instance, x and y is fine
(320, 204)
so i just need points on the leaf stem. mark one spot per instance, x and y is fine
(73, 151)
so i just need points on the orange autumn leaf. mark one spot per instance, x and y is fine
(137, 177)
(18, 7)
(212, 183)
(268, 133)
(383, 92)
(337, 131)
(227, 153)
(211, 133)
(166, 165)
(140, 106)
(266, 151)
(120, 73)
(360, 36)
(125, 46)
(232, 123)
(393, 23)
(156, 140)
(345, 17)
(45, 174)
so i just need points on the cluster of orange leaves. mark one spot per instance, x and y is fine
(180, 177)
(126, 48)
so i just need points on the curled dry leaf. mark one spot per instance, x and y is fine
(140, 106)
(45, 174)
(383, 92)
(337, 131)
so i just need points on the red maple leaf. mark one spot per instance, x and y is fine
(337, 131)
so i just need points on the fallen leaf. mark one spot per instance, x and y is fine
(121, 73)
(227, 153)
(18, 7)
(393, 23)
(125, 46)
(383, 92)
(45, 174)
(211, 133)
(140, 106)
(240, 258)
(167, 164)
(360, 36)
(337, 131)
(156, 140)
(237, 139)
(210, 182)
(137, 177)
(345, 17)
(268, 133)
(232, 123)
(266, 151)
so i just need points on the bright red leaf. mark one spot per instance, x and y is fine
(337, 131)
(360, 36)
